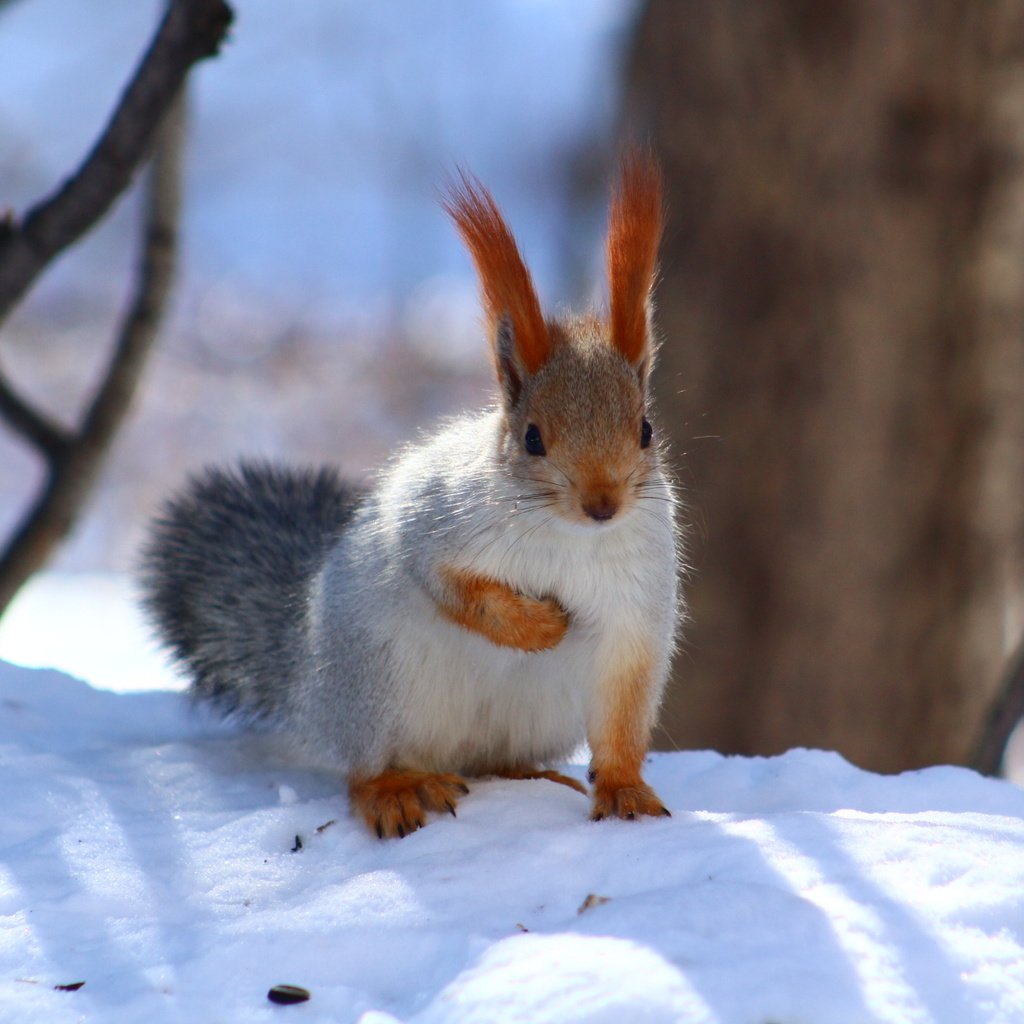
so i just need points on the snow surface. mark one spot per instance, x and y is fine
(148, 851)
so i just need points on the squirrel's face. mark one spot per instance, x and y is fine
(578, 441)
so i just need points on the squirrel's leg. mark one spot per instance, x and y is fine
(619, 734)
(396, 802)
(538, 773)
(496, 611)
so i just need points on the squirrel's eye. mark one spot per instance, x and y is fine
(534, 445)
(645, 434)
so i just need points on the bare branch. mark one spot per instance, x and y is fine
(74, 468)
(48, 437)
(190, 31)
(1007, 711)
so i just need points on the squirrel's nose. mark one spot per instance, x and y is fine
(601, 508)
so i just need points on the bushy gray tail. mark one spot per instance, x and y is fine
(225, 577)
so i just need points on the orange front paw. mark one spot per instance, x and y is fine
(503, 615)
(613, 799)
(537, 625)
(396, 802)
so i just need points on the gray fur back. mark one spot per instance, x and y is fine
(225, 578)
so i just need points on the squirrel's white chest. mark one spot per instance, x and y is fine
(470, 706)
(473, 708)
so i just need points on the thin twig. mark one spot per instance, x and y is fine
(48, 437)
(156, 270)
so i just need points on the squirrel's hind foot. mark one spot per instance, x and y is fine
(396, 802)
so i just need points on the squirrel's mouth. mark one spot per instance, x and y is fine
(591, 517)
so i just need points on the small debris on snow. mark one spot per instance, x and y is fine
(286, 995)
(298, 844)
(593, 900)
(74, 986)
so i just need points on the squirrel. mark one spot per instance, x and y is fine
(503, 591)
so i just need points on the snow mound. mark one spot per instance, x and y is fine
(180, 870)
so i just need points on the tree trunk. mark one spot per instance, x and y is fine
(842, 302)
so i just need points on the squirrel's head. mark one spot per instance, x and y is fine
(574, 390)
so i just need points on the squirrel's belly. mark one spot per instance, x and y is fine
(471, 707)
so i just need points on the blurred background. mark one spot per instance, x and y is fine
(842, 304)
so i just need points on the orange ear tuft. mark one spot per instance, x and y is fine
(505, 283)
(634, 231)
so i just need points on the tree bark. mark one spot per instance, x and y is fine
(842, 301)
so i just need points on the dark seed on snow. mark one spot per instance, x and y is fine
(73, 987)
(288, 994)
(298, 844)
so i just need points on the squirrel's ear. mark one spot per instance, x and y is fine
(514, 319)
(635, 224)
(508, 366)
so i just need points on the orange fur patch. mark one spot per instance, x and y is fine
(537, 773)
(505, 617)
(619, 748)
(396, 802)
(505, 282)
(635, 224)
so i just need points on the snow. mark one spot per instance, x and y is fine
(147, 850)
